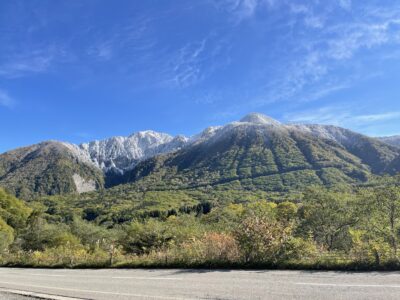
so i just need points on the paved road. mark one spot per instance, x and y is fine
(203, 284)
(8, 296)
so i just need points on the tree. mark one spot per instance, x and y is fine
(261, 239)
(286, 212)
(328, 216)
(141, 238)
(6, 235)
(382, 215)
(39, 235)
(91, 234)
(12, 210)
(261, 236)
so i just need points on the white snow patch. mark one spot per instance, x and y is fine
(256, 118)
(79, 153)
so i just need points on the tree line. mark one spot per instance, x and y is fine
(324, 228)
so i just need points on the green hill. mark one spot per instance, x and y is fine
(268, 158)
(47, 168)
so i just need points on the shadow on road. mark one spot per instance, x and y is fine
(305, 272)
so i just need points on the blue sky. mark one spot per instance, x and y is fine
(82, 70)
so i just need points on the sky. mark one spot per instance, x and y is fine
(82, 70)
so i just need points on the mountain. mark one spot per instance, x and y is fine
(391, 140)
(121, 153)
(260, 153)
(373, 152)
(48, 168)
(116, 155)
(255, 153)
(60, 168)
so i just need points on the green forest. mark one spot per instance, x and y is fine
(342, 227)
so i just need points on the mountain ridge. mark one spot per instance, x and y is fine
(241, 151)
(256, 148)
(393, 140)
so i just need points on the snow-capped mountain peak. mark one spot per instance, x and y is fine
(257, 118)
(121, 153)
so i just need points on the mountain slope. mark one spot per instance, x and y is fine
(391, 140)
(59, 168)
(260, 153)
(255, 153)
(48, 168)
(373, 152)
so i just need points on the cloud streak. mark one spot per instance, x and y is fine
(35, 60)
(242, 10)
(331, 47)
(195, 61)
(341, 116)
(345, 4)
(6, 100)
(186, 65)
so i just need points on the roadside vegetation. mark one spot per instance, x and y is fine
(337, 228)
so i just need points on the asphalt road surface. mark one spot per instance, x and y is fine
(200, 284)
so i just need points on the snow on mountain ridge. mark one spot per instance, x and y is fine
(121, 153)
(257, 118)
(393, 140)
(79, 153)
(205, 134)
(335, 133)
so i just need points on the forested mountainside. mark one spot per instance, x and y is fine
(268, 156)
(47, 168)
(255, 153)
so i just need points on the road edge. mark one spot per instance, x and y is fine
(38, 295)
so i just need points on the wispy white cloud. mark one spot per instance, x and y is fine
(24, 65)
(85, 51)
(102, 51)
(114, 41)
(341, 116)
(327, 46)
(377, 117)
(323, 115)
(6, 100)
(186, 65)
(306, 12)
(319, 55)
(314, 21)
(244, 9)
(324, 91)
(195, 61)
(30, 61)
(345, 4)
(322, 49)
(350, 38)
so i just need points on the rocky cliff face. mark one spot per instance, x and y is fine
(118, 154)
